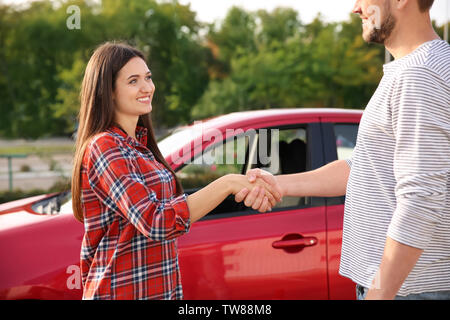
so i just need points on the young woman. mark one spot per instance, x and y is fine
(128, 197)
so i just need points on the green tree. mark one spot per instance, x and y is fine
(236, 34)
(251, 60)
(316, 65)
(278, 25)
(42, 61)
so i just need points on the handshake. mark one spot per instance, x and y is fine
(258, 189)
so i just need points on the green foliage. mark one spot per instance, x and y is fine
(317, 65)
(279, 25)
(42, 62)
(251, 60)
(236, 34)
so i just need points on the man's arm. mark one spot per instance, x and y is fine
(421, 163)
(327, 181)
(397, 262)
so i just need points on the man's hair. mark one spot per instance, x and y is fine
(425, 5)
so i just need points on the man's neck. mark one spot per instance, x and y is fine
(405, 38)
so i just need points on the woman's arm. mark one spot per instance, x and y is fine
(205, 200)
(115, 180)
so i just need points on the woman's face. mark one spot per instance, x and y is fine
(134, 89)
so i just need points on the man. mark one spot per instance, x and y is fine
(396, 235)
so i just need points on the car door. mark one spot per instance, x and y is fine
(339, 136)
(237, 253)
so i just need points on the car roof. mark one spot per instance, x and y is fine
(262, 115)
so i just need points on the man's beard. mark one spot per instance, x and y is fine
(379, 35)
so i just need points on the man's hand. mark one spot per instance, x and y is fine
(255, 198)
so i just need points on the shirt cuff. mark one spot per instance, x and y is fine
(413, 225)
(182, 214)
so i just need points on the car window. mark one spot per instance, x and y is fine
(276, 150)
(287, 154)
(345, 139)
(228, 157)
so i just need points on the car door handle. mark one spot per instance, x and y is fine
(305, 242)
(294, 242)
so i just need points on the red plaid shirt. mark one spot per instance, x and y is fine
(132, 220)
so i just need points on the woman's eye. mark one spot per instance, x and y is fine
(148, 78)
(133, 81)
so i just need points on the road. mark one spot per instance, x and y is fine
(34, 172)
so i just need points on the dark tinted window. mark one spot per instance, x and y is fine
(345, 139)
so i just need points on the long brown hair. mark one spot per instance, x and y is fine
(97, 110)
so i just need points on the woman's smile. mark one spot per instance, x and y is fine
(145, 100)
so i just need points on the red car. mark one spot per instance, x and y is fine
(292, 252)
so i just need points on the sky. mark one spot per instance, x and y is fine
(331, 10)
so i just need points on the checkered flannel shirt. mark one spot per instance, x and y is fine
(132, 219)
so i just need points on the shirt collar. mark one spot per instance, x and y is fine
(141, 135)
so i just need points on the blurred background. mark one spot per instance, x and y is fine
(207, 58)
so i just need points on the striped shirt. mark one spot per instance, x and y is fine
(399, 184)
(132, 219)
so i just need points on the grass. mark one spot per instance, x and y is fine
(38, 150)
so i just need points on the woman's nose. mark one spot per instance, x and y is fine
(148, 87)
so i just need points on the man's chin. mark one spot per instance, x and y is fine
(366, 37)
(373, 36)
(367, 32)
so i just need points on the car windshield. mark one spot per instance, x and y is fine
(177, 139)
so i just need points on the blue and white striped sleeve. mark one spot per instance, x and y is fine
(421, 124)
